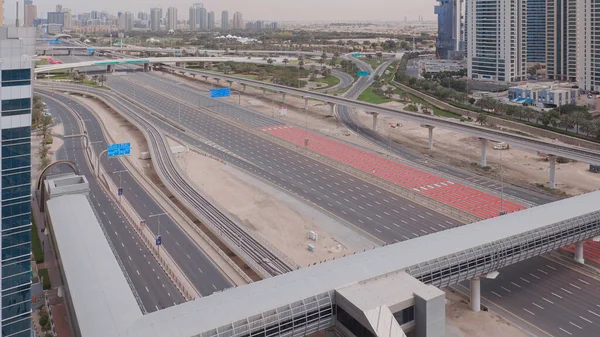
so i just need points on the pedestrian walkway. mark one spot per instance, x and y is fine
(451, 193)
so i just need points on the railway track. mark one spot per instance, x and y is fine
(256, 255)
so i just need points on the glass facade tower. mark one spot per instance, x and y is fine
(536, 31)
(15, 168)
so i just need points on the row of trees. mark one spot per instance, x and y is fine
(433, 88)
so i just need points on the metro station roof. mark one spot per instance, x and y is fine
(103, 301)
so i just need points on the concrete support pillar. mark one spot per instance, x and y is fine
(476, 294)
(70, 52)
(243, 88)
(430, 136)
(483, 162)
(218, 80)
(283, 98)
(552, 160)
(44, 53)
(205, 78)
(146, 67)
(178, 64)
(305, 104)
(230, 84)
(579, 253)
(264, 91)
(110, 68)
(331, 109)
(374, 120)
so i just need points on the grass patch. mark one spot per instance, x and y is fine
(41, 63)
(370, 97)
(329, 80)
(36, 244)
(374, 63)
(436, 110)
(339, 91)
(43, 273)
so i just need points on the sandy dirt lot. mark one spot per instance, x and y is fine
(273, 219)
(462, 322)
(520, 168)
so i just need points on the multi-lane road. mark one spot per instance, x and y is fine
(149, 281)
(199, 269)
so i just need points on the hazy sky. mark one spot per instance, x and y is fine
(282, 10)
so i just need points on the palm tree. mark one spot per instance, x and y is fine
(285, 62)
(481, 118)
(301, 62)
(270, 61)
(102, 78)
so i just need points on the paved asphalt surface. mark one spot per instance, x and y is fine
(383, 215)
(149, 280)
(567, 315)
(345, 80)
(199, 269)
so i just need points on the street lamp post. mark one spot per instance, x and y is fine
(158, 229)
(120, 190)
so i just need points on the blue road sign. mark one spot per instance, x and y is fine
(222, 92)
(117, 150)
(363, 73)
(120, 191)
(355, 54)
(178, 52)
(90, 50)
(158, 240)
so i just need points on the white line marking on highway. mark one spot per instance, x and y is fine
(157, 307)
(543, 272)
(163, 285)
(582, 281)
(395, 224)
(370, 219)
(395, 211)
(534, 276)
(214, 287)
(129, 258)
(122, 244)
(506, 289)
(176, 242)
(516, 285)
(137, 271)
(587, 320)
(386, 213)
(116, 233)
(413, 219)
(575, 325)
(448, 222)
(386, 227)
(147, 289)
(549, 266)
(378, 230)
(424, 231)
(529, 311)
(441, 225)
(537, 305)
(405, 237)
(495, 293)
(565, 290)
(394, 198)
(411, 206)
(574, 286)
(379, 216)
(386, 200)
(352, 209)
(415, 234)
(565, 331)
(188, 256)
(557, 295)
(343, 211)
(593, 313)
(524, 280)
(361, 221)
(547, 300)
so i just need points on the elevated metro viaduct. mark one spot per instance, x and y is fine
(430, 122)
(383, 292)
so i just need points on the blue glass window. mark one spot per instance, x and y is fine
(16, 133)
(16, 309)
(16, 192)
(17, 280)
(16, 150)
(16, 179)
(16, 104)
(16, 221)
(16, 268)
(15, 239)
(16, 209)
(10, 327)
(16, 162)
(15, 77)
(18, 297)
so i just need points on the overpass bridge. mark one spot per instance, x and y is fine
(384, 292)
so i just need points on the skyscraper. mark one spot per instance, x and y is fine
(125, 21)
(497, 40)
(29, 15)
(155, 16)
(224, 20)
(1, 13)
(56, 18)
(59, 8)
(238, 21)
(211, 20)
(561, 39)
(192, 19)
(202, 17)
(588, 45)
(17, 49)
(536, 30)
(68, 20)
(449, 40)
(172, 18)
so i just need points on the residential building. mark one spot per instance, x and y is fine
(29, 15)
(449, 40)
(17, 49)
(94, 15)
(193, 24)
(125, 21)
(588, 45)
(68, 19)
(238, 21)
(561, 40)
(59, 8)
(211, 20)
(224, 20)
(155, 17)
(172, 18)
(28, 2)
(543, 95)
(497, 40)
(143, 16)
(56, 18)
(536, 31)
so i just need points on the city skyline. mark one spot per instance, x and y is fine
(311, 10)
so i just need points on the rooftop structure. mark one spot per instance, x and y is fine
(543, 94)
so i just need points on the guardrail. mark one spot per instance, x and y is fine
(183, 198)
(527, 143)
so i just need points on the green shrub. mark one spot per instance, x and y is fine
(44, 273)
(36, 245)
(562, 160)
(43, 319)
